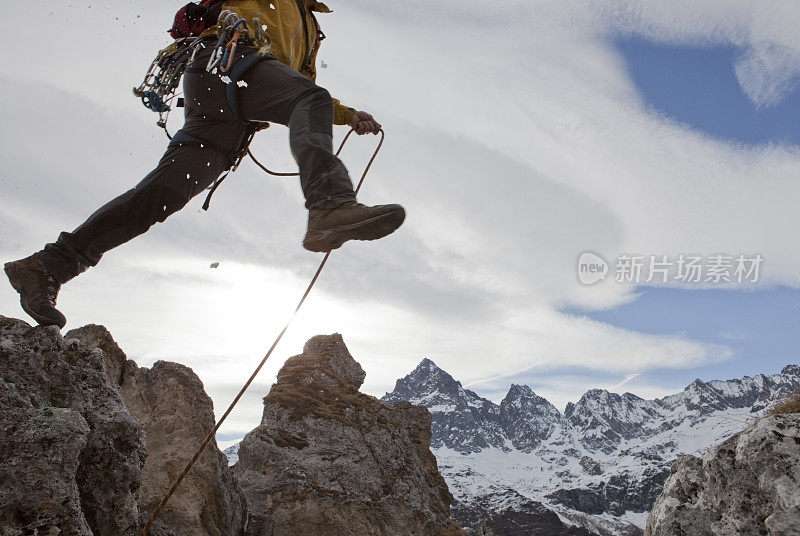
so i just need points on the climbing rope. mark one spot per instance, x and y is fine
(213, 432)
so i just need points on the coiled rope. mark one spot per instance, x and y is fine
(213, 432)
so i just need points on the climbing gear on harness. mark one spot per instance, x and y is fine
(234, 30)
(157, 90)
(161, 81)
(213, 432)
(37, 289)
(330, 228)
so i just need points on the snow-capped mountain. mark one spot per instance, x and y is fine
(232, 453)
(598, 467)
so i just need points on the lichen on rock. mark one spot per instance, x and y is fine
(749, 484)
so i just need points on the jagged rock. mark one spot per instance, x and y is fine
(462, 420)
(176, 414)
(528, 419)
(604, 420)
(482, 529)
(519, 516)
(615, 496)
(113, 358)
(72, 453)
(232, 453)
(590, 466)
(749, 484)
(73, 418)
(329, 460)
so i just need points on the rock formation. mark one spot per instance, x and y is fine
(749, 484)
(89, 443)
(72, 452)
(176, 414)
(329, 460)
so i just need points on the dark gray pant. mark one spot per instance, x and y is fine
(274, 93)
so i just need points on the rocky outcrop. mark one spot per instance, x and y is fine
(90, 442)
(175, 413)
(72, 453)
(519, 516)
(749, 484)
(329, 460)
(615, 496)
(528, 419)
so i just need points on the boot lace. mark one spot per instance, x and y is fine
(51, 290)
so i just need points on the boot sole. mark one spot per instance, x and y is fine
(371, 229)
(41, 320)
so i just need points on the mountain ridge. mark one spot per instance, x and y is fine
(600, 464)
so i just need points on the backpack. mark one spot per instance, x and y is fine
(192, 19)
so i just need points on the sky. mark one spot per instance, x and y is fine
(520, 134)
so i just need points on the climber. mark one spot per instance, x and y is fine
(279, 88)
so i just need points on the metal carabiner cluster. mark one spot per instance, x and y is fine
(162, 79)
(233, 28)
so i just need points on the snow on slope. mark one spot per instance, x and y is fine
(599, 465)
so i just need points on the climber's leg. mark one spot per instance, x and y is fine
(279, 94)
(182, 173)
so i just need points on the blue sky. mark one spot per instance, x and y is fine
(760, 326)
(697, 86)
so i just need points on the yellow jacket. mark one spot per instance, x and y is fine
(292, 36)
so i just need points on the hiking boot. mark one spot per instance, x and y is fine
(330, 228)
(37, 290)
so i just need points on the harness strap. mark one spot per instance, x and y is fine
(182, 138)
(232, 96)
(236, 74)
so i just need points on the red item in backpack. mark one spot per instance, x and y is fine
(192, 19)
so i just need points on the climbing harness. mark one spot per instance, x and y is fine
(160, 84)
(213, 432)
(157, 90)
(235, 31)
